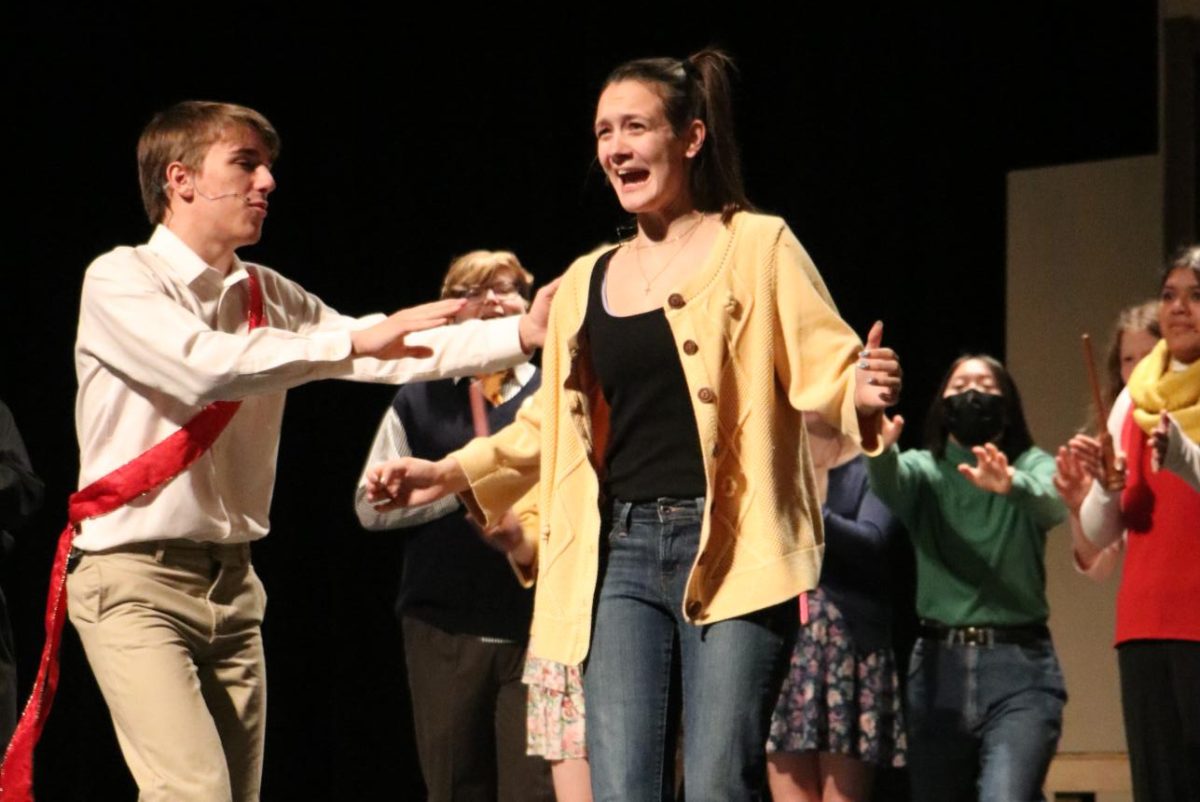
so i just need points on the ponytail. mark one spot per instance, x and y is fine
(698, 88)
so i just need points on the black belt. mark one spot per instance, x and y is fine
(984, 636)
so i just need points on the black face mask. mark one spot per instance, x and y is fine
(974, 418)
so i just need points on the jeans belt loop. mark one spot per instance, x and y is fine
(624, 513)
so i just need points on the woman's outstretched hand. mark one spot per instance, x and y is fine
(991, 471)
(411, 482)
(877, 380)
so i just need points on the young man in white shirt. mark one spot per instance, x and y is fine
(161, 590)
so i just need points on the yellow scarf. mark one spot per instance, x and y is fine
(1155, 388)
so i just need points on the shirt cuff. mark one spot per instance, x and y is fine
(1100, 516)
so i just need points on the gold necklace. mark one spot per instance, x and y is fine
(668, 240)
(648, 281)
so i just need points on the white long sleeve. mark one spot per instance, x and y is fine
(391, 442)
(161, 334)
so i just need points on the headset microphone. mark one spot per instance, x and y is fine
(222, 196)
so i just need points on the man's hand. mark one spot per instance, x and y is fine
(532, 326)
(386, 340)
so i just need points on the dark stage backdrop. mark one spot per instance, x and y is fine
(883, 139)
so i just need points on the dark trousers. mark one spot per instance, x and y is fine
(469, 713)
(1160, 697)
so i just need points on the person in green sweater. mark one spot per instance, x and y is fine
(985, 691)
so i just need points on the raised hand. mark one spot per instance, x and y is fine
(877, 379)
(890, 433)
(410, 482)
(991, 471)
(1097, 457)
(1088, 454)
(532, 326)
(385, 340)
(1072, 479)
(1159, 437)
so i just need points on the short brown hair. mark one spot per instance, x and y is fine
(184, 133)
(479, 267)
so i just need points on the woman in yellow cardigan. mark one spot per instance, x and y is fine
(678, 503)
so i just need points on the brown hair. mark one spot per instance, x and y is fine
(1140, 317)
(184, 133)
(698, 88)
(479, 267)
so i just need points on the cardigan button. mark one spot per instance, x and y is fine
(690, 347)
(706, 395)
(693, 608)
(675, 301)
(729, 486)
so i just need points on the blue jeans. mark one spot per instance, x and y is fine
(730, 671)
(984, 720)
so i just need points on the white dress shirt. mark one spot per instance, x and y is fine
(162, 334)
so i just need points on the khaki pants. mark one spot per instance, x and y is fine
(172, 630)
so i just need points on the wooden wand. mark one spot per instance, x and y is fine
(1113, 472)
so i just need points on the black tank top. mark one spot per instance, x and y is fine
(654, 445)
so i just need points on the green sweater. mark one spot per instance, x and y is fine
(980, 556)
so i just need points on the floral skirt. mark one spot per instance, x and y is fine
(835, 699)
(555, 712)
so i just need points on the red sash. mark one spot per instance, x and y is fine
(152, 468)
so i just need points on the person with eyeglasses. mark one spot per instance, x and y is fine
(463, 615)
(496, 292)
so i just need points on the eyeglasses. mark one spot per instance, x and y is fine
(478, 292)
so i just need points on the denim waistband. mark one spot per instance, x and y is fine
(662, 510)
(1021, 635)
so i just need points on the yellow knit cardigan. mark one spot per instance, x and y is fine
(760, 340)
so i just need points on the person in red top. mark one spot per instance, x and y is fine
(1156, 421)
